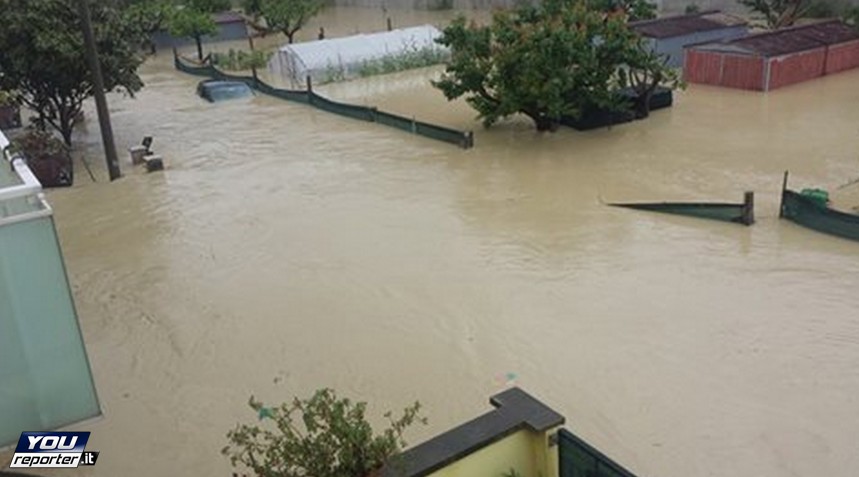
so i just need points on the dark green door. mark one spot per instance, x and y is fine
(577, 458)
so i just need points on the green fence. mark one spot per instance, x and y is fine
(463, 139)
(577, 458)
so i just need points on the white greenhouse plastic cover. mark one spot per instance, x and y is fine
(318, 59)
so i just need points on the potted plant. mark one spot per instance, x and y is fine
(10, 112)
(47, 156)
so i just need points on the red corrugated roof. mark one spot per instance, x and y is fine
(788, 40)
(680, 25)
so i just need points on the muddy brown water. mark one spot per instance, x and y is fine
(285, 249)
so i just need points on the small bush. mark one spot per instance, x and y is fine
(692, 8)
(323, 436)
(241, 60)
(38, 143)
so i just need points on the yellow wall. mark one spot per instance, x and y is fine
(525, 451)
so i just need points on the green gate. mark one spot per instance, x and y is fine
(577, 458)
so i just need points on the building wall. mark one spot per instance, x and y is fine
(842, 57)
(515, 451)
(702, 67)
(795, 68)
(743, 72)
(721, 69)
(673, 47)
(724, 69)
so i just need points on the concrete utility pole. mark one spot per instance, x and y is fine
(100, 100)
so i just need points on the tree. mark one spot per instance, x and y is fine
(545, 61)
(42, 55)
(149, 16)
(285, 16)
(252, 7)
(194, 20)
(778, 13)
(644, 71)
(323, 436)
(851, 17)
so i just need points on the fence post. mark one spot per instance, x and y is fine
(468, 143)
(749, 208)
(310, 94)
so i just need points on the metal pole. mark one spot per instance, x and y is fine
(100, 100)
(783, 189)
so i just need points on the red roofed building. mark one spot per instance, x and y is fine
(774, 59)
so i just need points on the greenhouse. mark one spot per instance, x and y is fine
(359, 55)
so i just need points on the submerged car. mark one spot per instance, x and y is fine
(217, 90)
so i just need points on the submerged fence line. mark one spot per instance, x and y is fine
(463, 139)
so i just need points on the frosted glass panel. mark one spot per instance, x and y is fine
(45, 380)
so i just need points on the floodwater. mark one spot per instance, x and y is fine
(286, 249)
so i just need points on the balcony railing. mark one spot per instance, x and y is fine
(45, 378)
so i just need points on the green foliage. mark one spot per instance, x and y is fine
(643, 71)
(835, 9)
(151, 15)
(194, 20)
(148, 17)
(410, 59)
(774, 14)
(333, 73)
(851, 17)
(692, 8)
(824, 9)
(438, 5)
(323, 436)
(252, 7)
(546, 61)
(43, 56)
(208, 6)
(9, 98)
(633, 9)
(287, 16)
(241, 60)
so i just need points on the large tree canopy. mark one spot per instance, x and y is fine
(546, 61)
(42, 55)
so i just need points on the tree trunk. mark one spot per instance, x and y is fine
(199, 41)
(66, 129)
(289, 35)
(642, 104)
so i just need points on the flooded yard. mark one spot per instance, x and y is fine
(286, 249)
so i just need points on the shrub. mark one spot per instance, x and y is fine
(323, 436)
(37, 144)
(238, 60)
